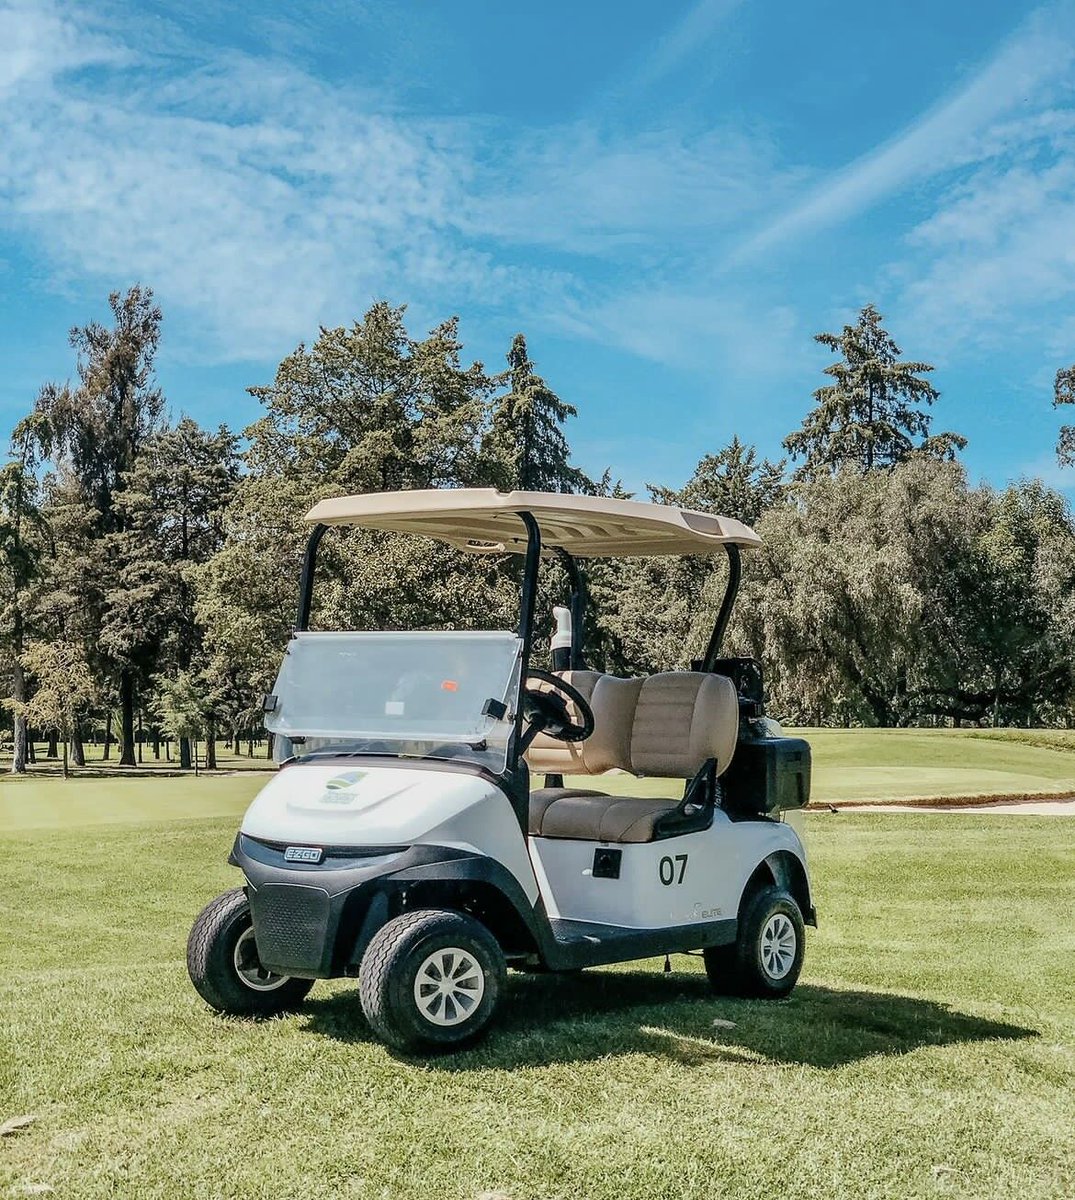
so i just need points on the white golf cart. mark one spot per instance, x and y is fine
(401, 841)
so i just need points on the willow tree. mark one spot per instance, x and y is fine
(875, 411)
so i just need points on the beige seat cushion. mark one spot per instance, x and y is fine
(682, 719)
(613, 703)
(541, 799)
(678, 721)
(596, 818)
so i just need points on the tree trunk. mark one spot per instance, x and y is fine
(141, 737)
(210, 744)
(78, 751)
(53, 749)
(18, 749)
(31, 750)
(236, 746)
(250, 747)
(270, 739)
(167, 749)
(184, 754)
(108, 737)
(126, 712)
(66, 770)
(156, 736)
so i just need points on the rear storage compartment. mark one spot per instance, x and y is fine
(768, 774)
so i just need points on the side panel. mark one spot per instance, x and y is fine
(678, 881)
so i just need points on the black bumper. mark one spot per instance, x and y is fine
(301, 910)
(315, 920)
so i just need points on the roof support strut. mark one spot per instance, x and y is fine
(735, 573)
(579, 600)
(306, 583)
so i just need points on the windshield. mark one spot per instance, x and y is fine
(397, 693)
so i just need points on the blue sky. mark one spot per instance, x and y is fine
(669, 200)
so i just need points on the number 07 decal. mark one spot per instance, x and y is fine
(667, 869)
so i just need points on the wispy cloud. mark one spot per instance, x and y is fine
(260, 202)
(1033, 59)
(687, 37)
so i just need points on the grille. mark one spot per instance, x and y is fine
(290, 925)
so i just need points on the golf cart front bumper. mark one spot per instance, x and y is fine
(315, 919)
(309, 916)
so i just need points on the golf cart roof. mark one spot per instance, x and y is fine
(483, 520)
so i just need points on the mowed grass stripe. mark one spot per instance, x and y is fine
(928, 1050)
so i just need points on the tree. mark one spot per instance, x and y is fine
(172, 504)
(872, 413)
(182, 709)
(23, 546)
(100, 428)
(63, 689)
(731, 482)
(526, 447)
(1064, 393)
(365, 408)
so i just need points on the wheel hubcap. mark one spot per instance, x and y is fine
(778, 946)
(248, 966)
(449, 986)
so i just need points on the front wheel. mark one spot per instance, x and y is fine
(430, 980)
(222, 959)
(767, 955)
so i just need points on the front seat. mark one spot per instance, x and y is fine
(613, 703)
(681, 721)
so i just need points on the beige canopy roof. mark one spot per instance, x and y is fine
(483, 520)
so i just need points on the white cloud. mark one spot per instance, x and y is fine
(684, 39)
(259, 201)
(994, 262)
(1031, 62)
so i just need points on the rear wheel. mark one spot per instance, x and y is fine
(222, 959)
(431, 980)
(767, 956)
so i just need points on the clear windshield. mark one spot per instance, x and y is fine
(397, 693)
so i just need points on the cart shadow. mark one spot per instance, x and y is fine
(561, 1019)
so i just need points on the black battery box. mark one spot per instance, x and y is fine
(768, 774)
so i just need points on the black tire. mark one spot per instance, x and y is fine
(388, 976)
(749, 967)
(211, 962)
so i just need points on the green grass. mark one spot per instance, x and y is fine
(867, 765)
(893, 764)
(860, 765)
(928, 1051)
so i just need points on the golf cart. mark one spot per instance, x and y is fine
(401, 842)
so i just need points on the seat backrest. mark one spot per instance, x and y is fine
(682, 719)
(613, 703)
(664, 725)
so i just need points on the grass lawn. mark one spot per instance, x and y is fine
(928, 1051)
(849, 765)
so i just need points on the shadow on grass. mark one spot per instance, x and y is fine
(556, 1019)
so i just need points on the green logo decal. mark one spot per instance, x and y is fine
(347, 780)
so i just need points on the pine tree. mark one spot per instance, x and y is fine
(23, 545)
(872, 414)
(100, 428)
(526, 447)
(732, 483)
(1064, 393)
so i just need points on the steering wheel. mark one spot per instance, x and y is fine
(549, 711)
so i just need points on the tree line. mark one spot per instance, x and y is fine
(148, 566)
